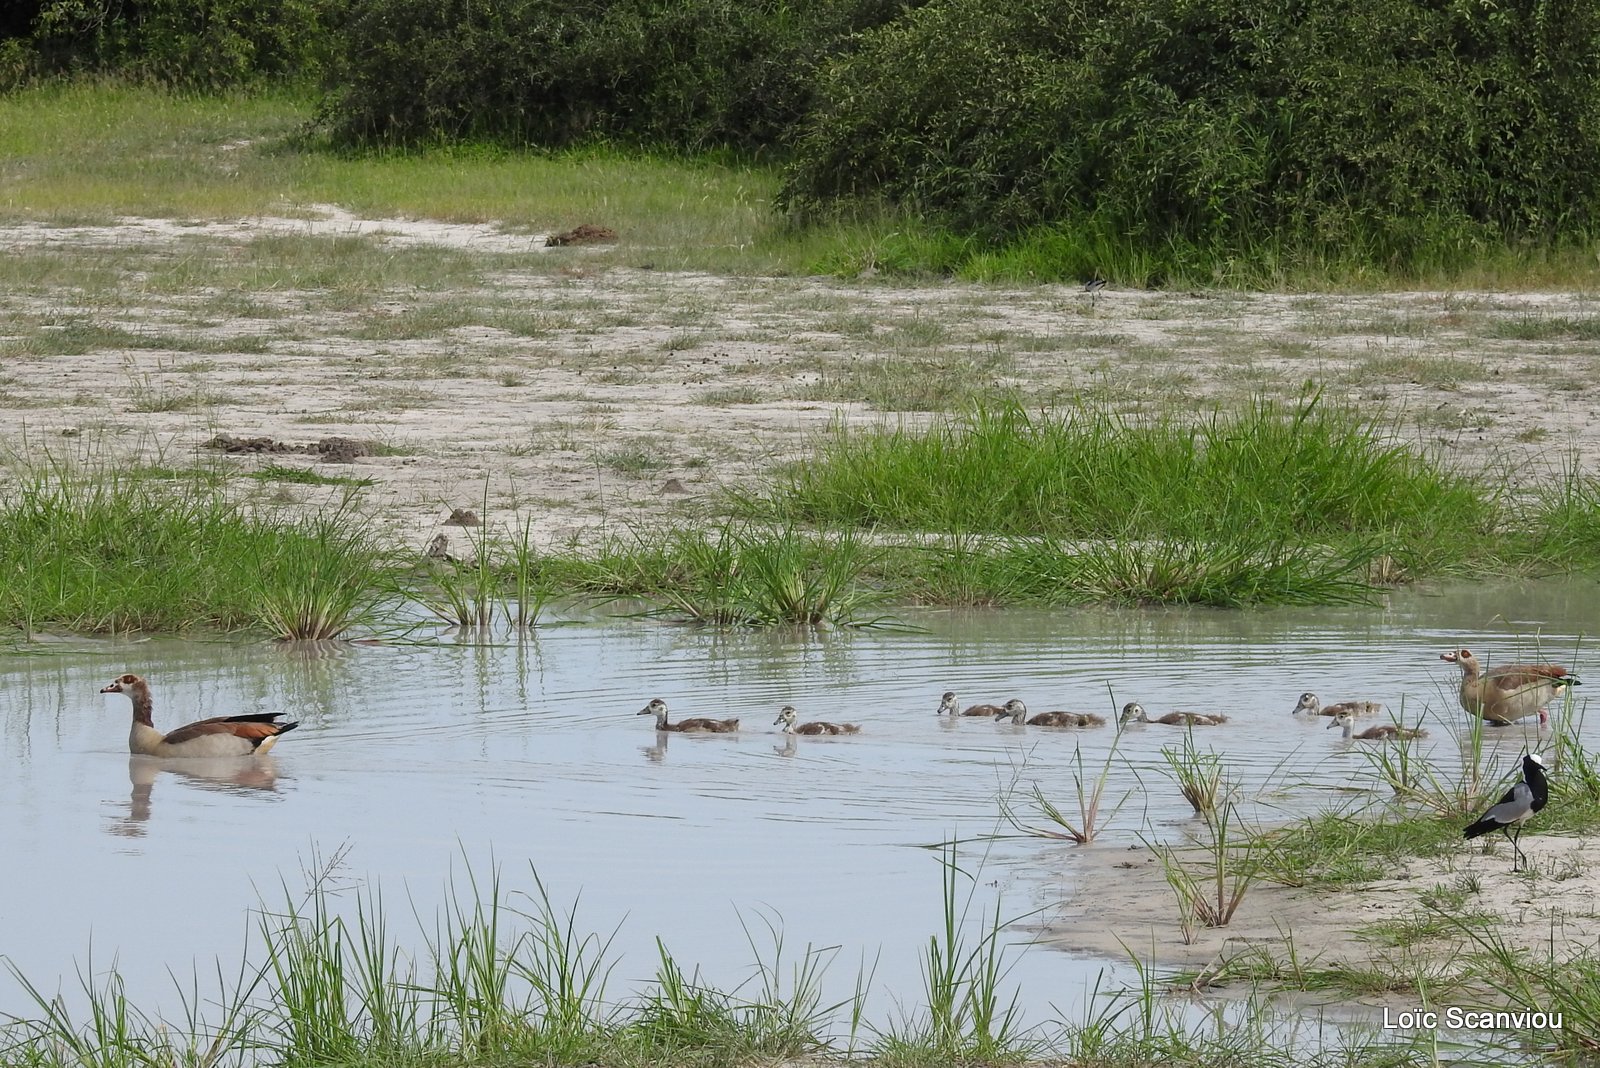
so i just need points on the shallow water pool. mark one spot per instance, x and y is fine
(422, 762)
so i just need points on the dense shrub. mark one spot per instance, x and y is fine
(1386, 125)
(685, 73)
(192, 43)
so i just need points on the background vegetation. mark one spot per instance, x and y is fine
(1148, 141)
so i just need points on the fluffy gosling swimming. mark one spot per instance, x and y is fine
(1017, 713)
(1133, 712)
(1382, 732)
(1310, 705)
(788, 716)
(658, 709)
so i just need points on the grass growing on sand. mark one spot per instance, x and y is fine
(104, 551)
(495, 983)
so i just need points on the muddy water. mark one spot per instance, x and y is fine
(419, 761)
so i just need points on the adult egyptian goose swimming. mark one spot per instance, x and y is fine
(658, 709)
(1133, 712)
(787, 718)
(223, 736)
(1509, 692)
(1311, 705)
(1017, 713)
(949, 704)
(1382, 732)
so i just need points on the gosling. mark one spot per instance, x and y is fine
(1017, 713)
(1309, 705)
(949, 704)
(1133, 712)
(1383, 732)
(658, 709)
(788, 716)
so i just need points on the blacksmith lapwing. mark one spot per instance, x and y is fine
(1520, 802)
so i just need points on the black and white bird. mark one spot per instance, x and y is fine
(1520, 802)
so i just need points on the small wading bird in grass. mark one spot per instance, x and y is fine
(1520, 802)
(224, 736)
(1311, 705)
(788, 716)
(1133, 712)
(1510, 692)
(949, 704)
(1017, 713)
(1383, 732)
(658, 709)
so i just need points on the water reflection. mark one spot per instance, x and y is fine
(251, 776)
(526, 750)
(658, 752)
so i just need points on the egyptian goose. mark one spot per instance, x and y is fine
(788, 716)
(224, 736)
(1133, 712)
(658, 709)
(1509, 692)
(1017, 713)
(1383, 732)
(1311, 705)
(948, 704)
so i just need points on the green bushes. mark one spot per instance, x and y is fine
(1197, 131)
(688, 74)
(192, 43)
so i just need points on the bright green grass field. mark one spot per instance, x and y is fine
(86, 152)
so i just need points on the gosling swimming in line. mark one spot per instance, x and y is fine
(1310, 705)
(1133, 712)
(949, 705)
(788, 716)
(1017, 713)
(658, 709)
(1383, 732)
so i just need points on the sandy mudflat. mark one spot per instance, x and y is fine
(575, 391)
(1122, 905)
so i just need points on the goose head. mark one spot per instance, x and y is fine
(1133, 712)
(786, 716)
(1014, 710)
(1463, 658)
(947, 703)
(127, 684)
(1309, 702)
(657, 708)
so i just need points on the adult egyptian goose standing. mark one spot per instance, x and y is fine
(1311, 705)
(224, 736)
(658, 709)
(1382, 732)
(1516, 807)
(1509, 692)
(1017, 713)
(787, 717)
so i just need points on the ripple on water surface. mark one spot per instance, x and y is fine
(423, 759)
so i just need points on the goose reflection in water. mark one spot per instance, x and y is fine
(246, 776)
(658, 752)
